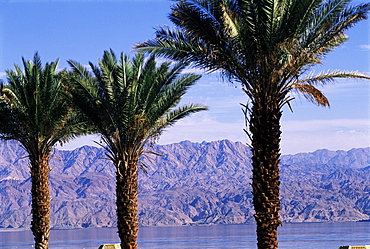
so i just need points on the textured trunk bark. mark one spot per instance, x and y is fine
(127, 204)
(265, 130)
(40, 224)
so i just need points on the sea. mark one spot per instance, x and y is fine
(291, 235)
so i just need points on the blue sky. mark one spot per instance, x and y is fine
(82, 29)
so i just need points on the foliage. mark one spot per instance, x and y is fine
(130, 103)
(268, 46)
(35, 113)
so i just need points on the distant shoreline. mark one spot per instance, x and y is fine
(189, 225)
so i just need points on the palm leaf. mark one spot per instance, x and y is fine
(324, 78)
(312, 94)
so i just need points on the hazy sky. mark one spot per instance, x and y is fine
(82, 29)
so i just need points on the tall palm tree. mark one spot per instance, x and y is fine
(35, 114)
(130, 102)
(268, 46)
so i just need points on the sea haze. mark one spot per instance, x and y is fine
(191, 184)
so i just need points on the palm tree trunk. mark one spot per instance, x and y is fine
(265, 130)
(127, 203)
(40, 224)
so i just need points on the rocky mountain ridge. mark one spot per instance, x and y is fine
(193, 183)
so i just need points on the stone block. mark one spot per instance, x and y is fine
(355, 247)
(110, 246)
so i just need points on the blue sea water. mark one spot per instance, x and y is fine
(291, 235)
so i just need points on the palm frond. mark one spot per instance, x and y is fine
(130, 101)
(324, 78)
(182, 112)
(38, 115)
(312, 94)
(325, 30)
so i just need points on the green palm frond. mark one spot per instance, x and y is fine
(324, 78)
(182, 112)
(325, 30)
(38, 114)
(306, 85)
(247, 41)
(171, 118)
(127, 99)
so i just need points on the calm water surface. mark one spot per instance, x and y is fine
(295, 235)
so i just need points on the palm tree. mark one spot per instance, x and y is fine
(268, 46)
(130, 102)
(35, 114)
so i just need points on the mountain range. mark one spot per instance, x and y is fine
(191, 184)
